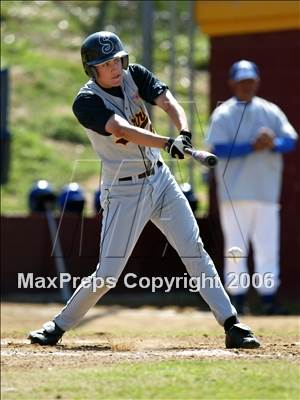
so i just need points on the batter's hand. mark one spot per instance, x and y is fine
(175, 147)
(186, 133)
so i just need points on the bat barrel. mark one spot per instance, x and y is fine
(204, 157)
(211, 160)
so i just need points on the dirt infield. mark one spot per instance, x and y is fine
(116, 334)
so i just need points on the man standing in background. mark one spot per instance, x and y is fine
(249, 135)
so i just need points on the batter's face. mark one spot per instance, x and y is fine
(244, 90)
(110, 73)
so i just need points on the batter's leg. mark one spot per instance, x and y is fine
(175, 219)
(124, 218)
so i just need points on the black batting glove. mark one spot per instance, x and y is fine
(175, 147)
(186, 133)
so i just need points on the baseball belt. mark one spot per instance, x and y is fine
(143, 174)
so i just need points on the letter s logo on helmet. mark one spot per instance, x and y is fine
(107, 45)
(99, 48)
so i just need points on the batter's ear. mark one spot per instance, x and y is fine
(125, 62)
(94, 73)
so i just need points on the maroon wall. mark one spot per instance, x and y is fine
(277, 55)
(26, 247)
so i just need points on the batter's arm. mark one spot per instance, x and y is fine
(167, 102)
(119, 127)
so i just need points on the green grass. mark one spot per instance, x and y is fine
(34, 158)
(186, 379)
(40, 43)
(103, 358)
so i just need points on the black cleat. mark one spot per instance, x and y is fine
(240, 336)
(49, 335)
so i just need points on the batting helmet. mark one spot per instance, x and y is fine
(99, 48)
(41, 196)
(71, 198)
(97, 204)
(189, 194)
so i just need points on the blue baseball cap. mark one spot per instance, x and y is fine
(242, 70)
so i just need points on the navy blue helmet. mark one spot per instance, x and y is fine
(99, 48)
(71, 198)
(41, 196)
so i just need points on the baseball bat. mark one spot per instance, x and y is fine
(57, 251)
(204, 157)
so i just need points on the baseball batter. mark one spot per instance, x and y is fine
(137, 185)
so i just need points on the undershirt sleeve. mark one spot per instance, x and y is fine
(148, 84)
(92, 113)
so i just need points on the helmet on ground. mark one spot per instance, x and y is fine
(41, 196)
(99, 48)
(97, 203)
(189, 194)
(71, 198)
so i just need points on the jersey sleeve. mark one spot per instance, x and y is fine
(283, 126)
(217, 129)
(91, 112)
(220, 142)
(148, 84)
